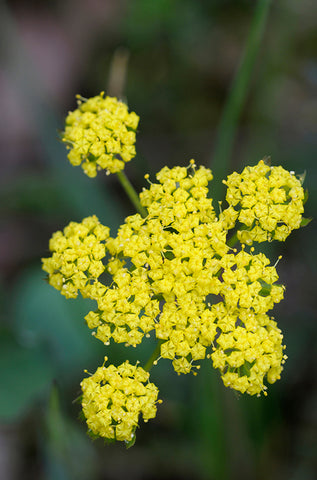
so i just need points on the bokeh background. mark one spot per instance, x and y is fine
(174, 61)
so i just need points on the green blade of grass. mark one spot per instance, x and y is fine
(220, 161)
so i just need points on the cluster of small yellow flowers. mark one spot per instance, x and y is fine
(163, 267)
(166, 270)
(76, 261)
(113, 399)
(247, 282)
(167, 267)
(248, 344)
(268, 202)
(100, 134)
(173, 271)
(249, 351)
(174, 276)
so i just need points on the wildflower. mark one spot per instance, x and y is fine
(165, 267)
(100, 134)
(247, 282)
(249, 351)
(174, 276)
(268, 201)
(173, 271)
(76, 261)
(113, 399)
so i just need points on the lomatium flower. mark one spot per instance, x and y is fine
(248, 347)
(163, 267)
(268, 202)
(248, 351)
(169, 271)
(115, 397)
(174, 272)
(76, 261)
(100, 134)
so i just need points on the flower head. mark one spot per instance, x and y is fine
(76, 261)
(100, 134)
(114, 397)
(171, 268)
(268, 201)
(174, 276)
(163, 268)
(249, 351)
(172, 272)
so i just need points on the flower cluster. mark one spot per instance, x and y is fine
(174, 271)
(76, 261)
(100, 134)
(268, 202)
(249, 344)
(114, 398)
(160, 268)
(248, 351)
(166, 270)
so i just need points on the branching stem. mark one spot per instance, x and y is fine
(126, 184)
(154, 356)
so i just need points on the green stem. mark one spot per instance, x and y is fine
(154, 356)
(236, 98)
(233, 240)
(125, 182)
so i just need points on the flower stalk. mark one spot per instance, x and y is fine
(133, 196)
(154, 357)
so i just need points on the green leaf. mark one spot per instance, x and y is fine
(266, 288)
(305, 221)
(306, 195)
(131, 442)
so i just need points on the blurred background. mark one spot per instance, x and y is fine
(174, 62)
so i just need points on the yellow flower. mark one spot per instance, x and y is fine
(268, 202)
(174, 276)
(165, 266)
(100, 134)
(75, 264)
(248, 353)
(169, 257)
(113, 399)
